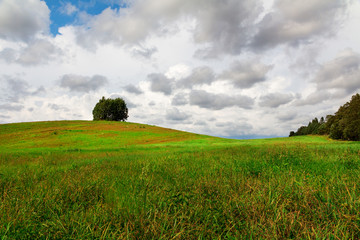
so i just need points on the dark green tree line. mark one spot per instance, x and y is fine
(344, 124)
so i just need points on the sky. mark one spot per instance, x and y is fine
(229, 68)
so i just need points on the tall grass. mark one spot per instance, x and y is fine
(304, 188)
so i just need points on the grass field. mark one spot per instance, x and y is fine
(112, 180)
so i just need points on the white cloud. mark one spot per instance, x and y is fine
(69, 9)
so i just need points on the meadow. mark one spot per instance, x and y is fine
(119, 180)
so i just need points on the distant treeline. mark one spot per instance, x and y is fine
(344, 124)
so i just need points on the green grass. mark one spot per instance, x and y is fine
(111, 180)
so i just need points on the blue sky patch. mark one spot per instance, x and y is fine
(66, 12)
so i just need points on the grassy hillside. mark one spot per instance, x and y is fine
(99, 136)
(81, 180)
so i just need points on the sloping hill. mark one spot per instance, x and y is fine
(88, 135)
(102, 136)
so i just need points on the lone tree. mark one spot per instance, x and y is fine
(110, 110)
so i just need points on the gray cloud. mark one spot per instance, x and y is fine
(39, 103)
(200, 123)
(57, 107)
(296, 21)
(4, 116)
(9, 55)
(78, 83)
(21, 20)
(160, 83)
(11, 107)
(335, 79)
(133, 89)
(213, 101)
(342, 73)
(287, 116)
(199, 76)
(77, 116)
(246, 74)
(274, 100)
(112, 27)
(179, 99)
(314, 98)
(17, 89)
(37, 52)
(38, 91)
(176, 115)
(225, 25)
(130, 104)
(234, 128)
(132, 25)
(144, 52)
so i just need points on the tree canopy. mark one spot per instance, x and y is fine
(110, 110)
(344, 124)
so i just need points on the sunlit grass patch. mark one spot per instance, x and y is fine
(78, 179)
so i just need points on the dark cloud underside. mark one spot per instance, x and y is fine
(160, 83)
(18, 21)
(274, 100)
(78, 83)
(130, 88)
(246, 74)
(213, 101)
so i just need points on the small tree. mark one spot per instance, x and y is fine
(110, 110)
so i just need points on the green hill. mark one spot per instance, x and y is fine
(60, 136)
(103, 136)
(116, 180)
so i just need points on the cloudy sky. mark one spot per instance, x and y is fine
(232, 68)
